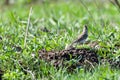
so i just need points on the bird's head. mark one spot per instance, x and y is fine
(85, 29)
(85, 26)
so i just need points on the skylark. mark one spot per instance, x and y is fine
(81, 38)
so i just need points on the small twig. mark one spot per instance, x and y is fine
(28, 23)
(90, 63)
(116, 4)
(89, 14)
(26, 70)
(88, 11)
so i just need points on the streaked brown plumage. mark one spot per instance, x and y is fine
(81, 38)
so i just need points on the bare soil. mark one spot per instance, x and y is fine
(72, 58)
(76, 58)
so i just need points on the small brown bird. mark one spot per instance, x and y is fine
(81, 38)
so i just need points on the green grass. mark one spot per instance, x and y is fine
(65, 21)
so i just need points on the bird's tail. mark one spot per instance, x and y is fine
(72, 44)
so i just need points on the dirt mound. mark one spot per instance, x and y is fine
(71, 58)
